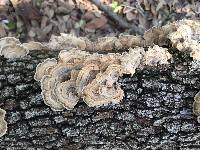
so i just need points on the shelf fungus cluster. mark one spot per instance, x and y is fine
(106, 44)
(184, 35)
(3, 123)
(92, 77)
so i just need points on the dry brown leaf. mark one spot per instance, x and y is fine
(89, 15)
(160, 5)
(142, 21)
(130, 16)
(128, 9)
(153, 10)
(146, 5)
(26, 10)
(96, 23)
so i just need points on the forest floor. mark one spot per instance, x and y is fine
(38, 19)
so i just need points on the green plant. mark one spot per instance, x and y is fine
(116, 7)
(11, 25)
(79, 24)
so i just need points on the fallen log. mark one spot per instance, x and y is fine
(155, 113)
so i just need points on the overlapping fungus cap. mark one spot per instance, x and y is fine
(186, 37)
(3, 123)
(58, 79)
(48, 93)
(66, 40)
(131, 60)
(103, 89)
(93, 65)
(44, 68)
(8, 41)
(72, 56)
(107, 44)
(156, 55)
(11, 47)
(66, 91)
(34, 46)
(60, 73)
(85, 76)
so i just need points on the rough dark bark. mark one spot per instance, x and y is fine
(156, 112)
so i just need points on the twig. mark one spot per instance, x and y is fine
(140, 9)
(119, 20)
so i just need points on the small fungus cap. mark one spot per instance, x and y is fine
(85, 76)
(196, 104)
(8, 41)
(48, 93)
(3, 123)
(66, 94)
(33, 45)
(132, 59)
(14, 51)
(66, 91)
(66, 40)
(44, 68)
(157, 55)
(72, 56)
(103, 90)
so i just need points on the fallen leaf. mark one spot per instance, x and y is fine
(96, 23)
(128, 9)
(89, 15)
(47, 29)
(153, 10)
(160, 5)
(26, 10)
(146, 5)
(130, 16)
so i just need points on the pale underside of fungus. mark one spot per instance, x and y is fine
(3, 123)
(93, 77)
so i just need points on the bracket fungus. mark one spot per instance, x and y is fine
(66, 40)
(156, 55)
(183, 35)
(3, 123)
(44, 68)
(92, 77)
(103, 89)
(11, 47)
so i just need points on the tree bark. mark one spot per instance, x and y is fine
(156, 112)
